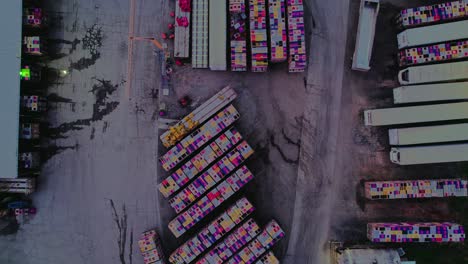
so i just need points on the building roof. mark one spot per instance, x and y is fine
(10, 64)
(369, 256)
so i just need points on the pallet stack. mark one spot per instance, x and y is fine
(150, 248)
(200, 34)
(232, 243)
(415, 232)
(443, 52)
(296, 31)
(238, 35)
(416, 189)
(19, 185)
(205, 182)
(215, 197)
(213, 232)
(258, 35)
(424, 15)
(269, 236)
(278, 36)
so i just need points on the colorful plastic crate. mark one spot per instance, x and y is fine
(150, 248)
(416, 189)
(199, 138)
(238, 35)
(415, 232)
(33, 17)
(204, 183)
(214, 231)
(32, 45)
(33, 103)
(199, 162)
(278, 36)
(419, 16)
(443, 52)
(258, 35)
(268, 258)
(296, 32)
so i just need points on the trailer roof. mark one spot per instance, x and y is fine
(10, 64)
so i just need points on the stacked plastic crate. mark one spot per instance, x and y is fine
(150, 247)
(200, 162)
(213, 232)
(268, 258)
(423, 15)
(205, 182)
(32, 45)
(232, 243)
(415, 232)
(200, 34)
(258, 35)
(238, 35)
(278, 37)
(270, 235)
(198, 138)
(434, 53)
(33, 17)
(296, 31)
(215, 197)
(33, 103)
(416, 189)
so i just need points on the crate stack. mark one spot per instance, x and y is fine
(205, 182)
(269, 236)
(424, 15)
(238, 35)
(296, 32)
(33, 103)
(32, 45)
(215, 197)
(150, 248)
(416, 189)
(214, 231)
(232, 243)
(33, 17)
(200, 34)
(268, 258)
(415, 232)
(258, 35)
(442, 52)
(29, 131)
(278, 37)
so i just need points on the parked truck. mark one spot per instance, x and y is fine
(297, 59)
(428, 134)
(429, 154)
(433, 34)
(430, 92)
(445, 72)
(368, 12)
(217, 37)
(416, 114)
(441, 52)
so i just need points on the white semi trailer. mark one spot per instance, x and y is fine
(433, 34)
(430, 92)
(445, 72)
(365, 35)
(416, 114)
(428, 134)
(429, 154)
(217, 35)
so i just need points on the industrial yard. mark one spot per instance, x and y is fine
(100, 185)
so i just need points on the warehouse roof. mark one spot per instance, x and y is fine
(369, 256)
(10, 64)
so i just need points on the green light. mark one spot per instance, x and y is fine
(25, 74)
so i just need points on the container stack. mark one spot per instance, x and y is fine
(200, 162)
(232, 243)
(415, 232)
(200, 34)
(268, 258)
(238, 35)
(424, 15)
(434, 53)
(215, 197)
(269, 236)
(150, 247)
(205, 182)
(258, 35)
(213, 232)
(278, 37)
(296, 31)
(416, 189)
